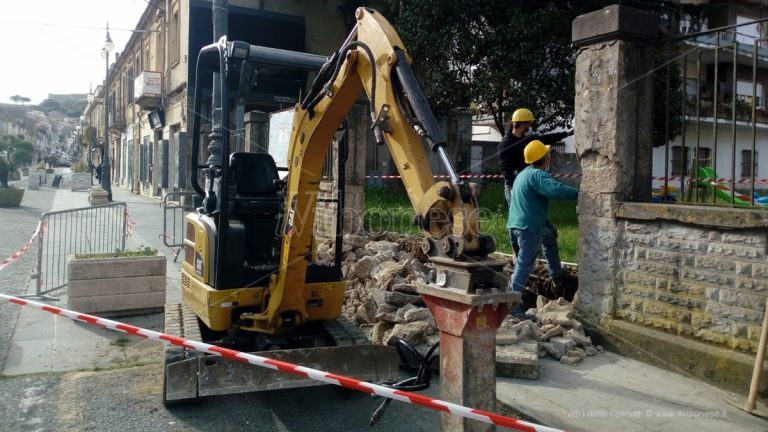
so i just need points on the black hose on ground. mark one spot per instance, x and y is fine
(410, 360)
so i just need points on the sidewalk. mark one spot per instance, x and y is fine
(44, 342)
(609, 392)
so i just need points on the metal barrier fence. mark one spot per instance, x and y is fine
(176, 205)
(86, 230)
(711, 116)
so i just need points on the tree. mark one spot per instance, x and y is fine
(49, 105)
(18, 99)
(14, 151)
(494, 56)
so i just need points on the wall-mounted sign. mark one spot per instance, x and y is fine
(148, 83)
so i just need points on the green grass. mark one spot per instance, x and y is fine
(388, 209)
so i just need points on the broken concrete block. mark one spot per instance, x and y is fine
(400, 299)
(362, 269)
(413, 333)
(552, 350)
(556, 330)
(379, 330)
(506, 337)
(518, 361)
(382, 246)
(404, 288)
(562, 344)
(590, 350)
(570, 360)
(366, 313)
(579, 337)
(417, 314)
(577, 352)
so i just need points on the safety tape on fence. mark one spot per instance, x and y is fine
(129, 223)
(314, 374)
(23, 250)
(578, 175)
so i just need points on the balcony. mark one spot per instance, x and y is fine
(117, 121)
(148, 88)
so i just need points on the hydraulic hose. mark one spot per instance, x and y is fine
(418, 382)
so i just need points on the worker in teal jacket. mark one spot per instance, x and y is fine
(529, 222)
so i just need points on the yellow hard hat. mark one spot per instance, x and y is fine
(522, 115)
(534, 151)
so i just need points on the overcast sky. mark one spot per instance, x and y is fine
(52, 46)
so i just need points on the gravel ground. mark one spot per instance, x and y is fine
(16, 227)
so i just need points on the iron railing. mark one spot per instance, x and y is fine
(86, 230)
(709, 81)
(176, 205)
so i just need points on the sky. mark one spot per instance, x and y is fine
(53, 46)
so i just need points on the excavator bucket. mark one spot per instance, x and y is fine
(188, 375)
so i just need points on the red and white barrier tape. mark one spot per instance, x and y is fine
(129, 223)
(468, 176)
(290, 368)
(23, 250)
(578, 175)
(704, 179)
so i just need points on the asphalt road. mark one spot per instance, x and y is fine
(129, 400)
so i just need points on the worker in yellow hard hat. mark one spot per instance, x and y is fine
(529, 223)
(510, 149)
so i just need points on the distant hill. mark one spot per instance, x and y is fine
(71, 105)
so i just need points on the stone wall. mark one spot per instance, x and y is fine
(705, 283)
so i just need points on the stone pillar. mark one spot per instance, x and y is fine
(256, 126)
(468, 323)
(613, 124)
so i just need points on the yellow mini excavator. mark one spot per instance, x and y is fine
(249, 281)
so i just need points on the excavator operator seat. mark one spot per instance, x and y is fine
(255, 198)
(256, 183)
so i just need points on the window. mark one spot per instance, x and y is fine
(691, 88)
(748, 165)
(744, 92)
(147, 57)
(137, 64)
(704, 158)
(175, 35)
(129, 85)
(680, 161)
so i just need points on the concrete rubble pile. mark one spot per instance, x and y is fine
(382, 271)
(553, 329)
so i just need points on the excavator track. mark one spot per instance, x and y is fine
(189, 375)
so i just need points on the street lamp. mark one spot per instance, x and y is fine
(106, 182)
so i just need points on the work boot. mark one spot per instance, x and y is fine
(528, 299)
(565, 286)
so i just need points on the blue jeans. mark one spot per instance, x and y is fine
(529, 251)
(512, 238)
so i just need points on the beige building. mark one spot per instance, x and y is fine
(151, 81)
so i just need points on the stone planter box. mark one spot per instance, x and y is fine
(35, 179)
(80, 181)
(117, 286)
(11, 197)
(98, 196)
